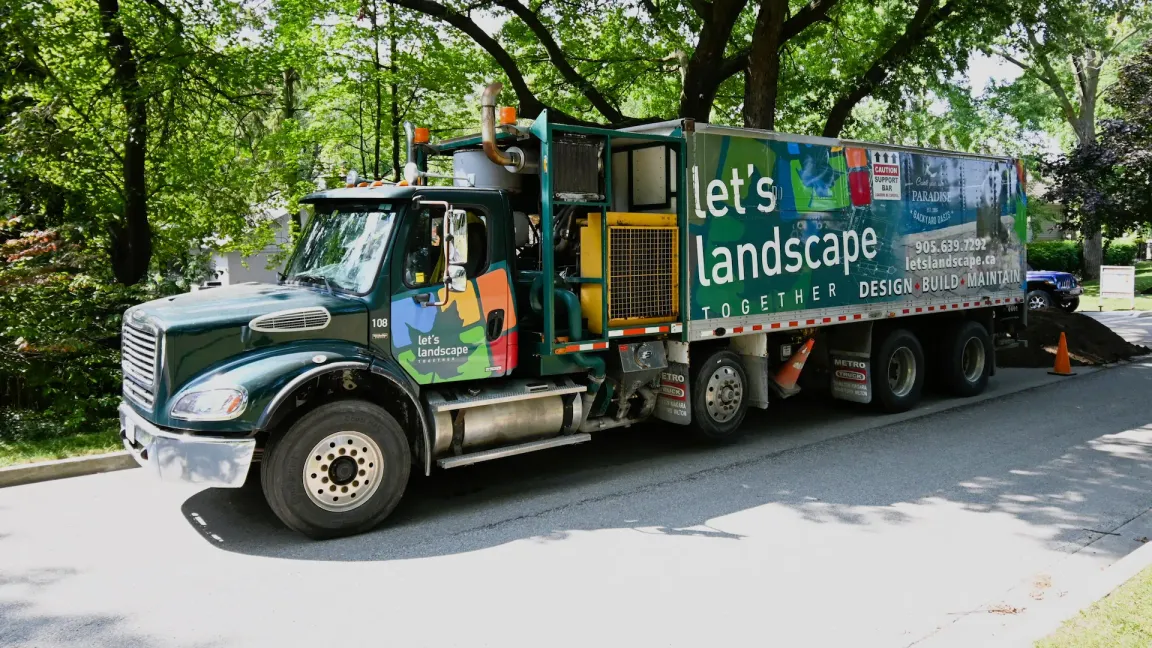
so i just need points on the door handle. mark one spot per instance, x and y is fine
(425, 299)
(495, 324)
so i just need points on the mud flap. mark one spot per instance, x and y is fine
(851, 377)
(851, 354)
(673, 403)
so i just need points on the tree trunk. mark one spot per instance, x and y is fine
(1093, 255)
(376, 68)
(702, 73)
(1087, 70)
(393, 89)
(288, 112)
(762, 76)
(360, 128)
(131, 237)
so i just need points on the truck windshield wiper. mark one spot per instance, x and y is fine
(313, 277)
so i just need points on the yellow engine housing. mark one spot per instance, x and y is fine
(643, 270)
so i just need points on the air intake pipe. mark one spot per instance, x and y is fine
(513, 158)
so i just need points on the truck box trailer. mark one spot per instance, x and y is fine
(533, 285)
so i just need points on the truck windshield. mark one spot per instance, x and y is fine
(341, 247)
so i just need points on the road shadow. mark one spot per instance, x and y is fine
(22, 624)
(1049, 471)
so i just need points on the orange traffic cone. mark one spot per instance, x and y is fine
(785, 380)
(1063, 364)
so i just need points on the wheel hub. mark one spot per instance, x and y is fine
(725, 391)
(343, 471)
(901, 372)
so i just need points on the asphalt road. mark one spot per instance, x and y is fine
(826, 525)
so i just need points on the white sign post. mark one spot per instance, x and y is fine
(1118, 282)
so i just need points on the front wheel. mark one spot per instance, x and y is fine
(1071, 305)
(719, 396)
(898, 372)
(337, 471)
(1039, 300)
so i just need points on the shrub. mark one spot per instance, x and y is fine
(1120, 253)
(59, 327)
(1058, 256)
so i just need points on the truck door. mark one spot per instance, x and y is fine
(439, 335)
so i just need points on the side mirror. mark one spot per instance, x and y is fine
(457, 278)
(457, 237)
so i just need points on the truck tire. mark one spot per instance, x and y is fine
(719, 396)
(1071, 305)
(338, 471)
(966, 361)
(898, 372)
(1039, 300)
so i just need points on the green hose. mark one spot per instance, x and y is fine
(594, 363)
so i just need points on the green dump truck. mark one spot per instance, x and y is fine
(551, 282)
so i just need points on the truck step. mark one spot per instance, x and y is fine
(514, 390)
(509, 451)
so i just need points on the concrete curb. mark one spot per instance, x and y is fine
(61, 468)
(1083, 591)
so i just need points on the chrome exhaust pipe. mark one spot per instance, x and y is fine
(410, 135)
(488, 129)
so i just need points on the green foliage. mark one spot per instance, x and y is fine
(59, 327)
(1057, 256)
(1104, 183)
(1068, 256)
(28, 436)
(1120, 253)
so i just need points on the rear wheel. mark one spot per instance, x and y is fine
(339, 470)
(898, 372)
(719, 396)
(967, 359)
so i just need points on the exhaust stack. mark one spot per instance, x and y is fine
(409, 136)
(514, 158)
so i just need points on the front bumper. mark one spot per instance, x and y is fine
(209, 461)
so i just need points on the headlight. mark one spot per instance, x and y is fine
(211, 405)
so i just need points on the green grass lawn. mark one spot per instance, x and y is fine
(1121, 620)
(1090, 300)
(26, 439)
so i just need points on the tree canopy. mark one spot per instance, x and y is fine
(159, 128)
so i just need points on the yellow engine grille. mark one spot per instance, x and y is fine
(643, 276)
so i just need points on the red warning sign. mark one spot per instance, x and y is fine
(885, 175)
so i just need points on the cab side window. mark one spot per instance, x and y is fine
(477, 243)
(424, 251)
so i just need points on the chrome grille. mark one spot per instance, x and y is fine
(139, 355)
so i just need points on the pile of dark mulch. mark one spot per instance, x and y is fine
(1089, 341)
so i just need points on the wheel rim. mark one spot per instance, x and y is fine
(972, 360)
(343, 471)
(1036, 303)
(901, 372)
(725, 392)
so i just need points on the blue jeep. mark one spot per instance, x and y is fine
(1047, 289)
